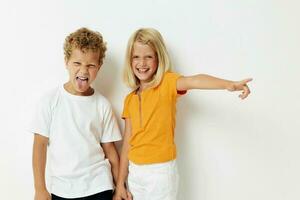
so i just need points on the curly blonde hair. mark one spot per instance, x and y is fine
(85, 39)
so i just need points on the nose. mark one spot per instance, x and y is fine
(83, 69)
(143, 62)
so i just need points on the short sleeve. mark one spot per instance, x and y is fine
(41, 120)
(111, 131)
(171, 82)
(125, 113)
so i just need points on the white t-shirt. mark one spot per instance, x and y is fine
(75, 126)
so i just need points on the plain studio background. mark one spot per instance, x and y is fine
(228, 149)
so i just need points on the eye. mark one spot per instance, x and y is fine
(76, 63)
(149, 57)
(135, 57)
(91, 66)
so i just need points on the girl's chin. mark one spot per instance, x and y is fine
(144, 78)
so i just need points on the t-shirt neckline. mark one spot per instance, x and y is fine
(77, 97)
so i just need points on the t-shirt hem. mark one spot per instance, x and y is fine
(42, 133)
(113, 140)
(143, 162)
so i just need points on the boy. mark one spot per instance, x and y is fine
(71, 123)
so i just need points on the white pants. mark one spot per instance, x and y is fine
(153, 181)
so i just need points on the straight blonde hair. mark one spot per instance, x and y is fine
(154, 39)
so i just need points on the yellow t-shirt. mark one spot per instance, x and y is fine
(152, 116)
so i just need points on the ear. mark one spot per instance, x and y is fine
(99, 66)
(66, 62)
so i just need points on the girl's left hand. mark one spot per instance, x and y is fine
(241, 86)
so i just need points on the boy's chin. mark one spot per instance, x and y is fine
(84, 91)
(80, 90)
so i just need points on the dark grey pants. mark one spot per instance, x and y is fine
(106, 195)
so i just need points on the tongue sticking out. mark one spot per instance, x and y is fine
(82, 83)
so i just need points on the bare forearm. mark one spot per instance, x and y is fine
(112, 155)
(203, 81)
(114, 161)
(39, 157)
(121, 191)
(123, 170)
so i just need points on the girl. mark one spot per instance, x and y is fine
(148, 154)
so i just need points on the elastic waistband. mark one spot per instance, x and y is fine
(154, 165)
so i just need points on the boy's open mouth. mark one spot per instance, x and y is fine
(82, 82)
(80, 78)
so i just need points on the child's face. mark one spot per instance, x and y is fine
(83, 68)
(144, 62)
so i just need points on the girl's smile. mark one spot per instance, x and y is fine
(143, 62)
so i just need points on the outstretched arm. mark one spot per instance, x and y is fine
(203, 81)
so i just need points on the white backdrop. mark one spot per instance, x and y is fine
(228, 149)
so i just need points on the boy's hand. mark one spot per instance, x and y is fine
(42, 195)
(240, 86)
(122, 194)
